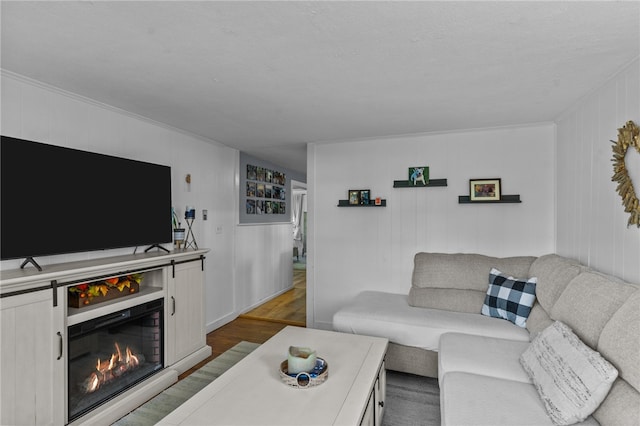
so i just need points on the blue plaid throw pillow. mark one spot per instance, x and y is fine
(509, 298)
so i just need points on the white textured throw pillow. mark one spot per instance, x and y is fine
(571, 378)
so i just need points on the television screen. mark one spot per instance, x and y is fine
(59, 200)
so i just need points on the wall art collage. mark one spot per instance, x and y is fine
(266, 192)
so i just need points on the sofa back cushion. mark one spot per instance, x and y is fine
(554, 273)
(589, 302)
(458, 282)
(620, 340)
(620, 344)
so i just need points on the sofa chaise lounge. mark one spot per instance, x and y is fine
(491, 371)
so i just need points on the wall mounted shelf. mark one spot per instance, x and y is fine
(432, 183)
(465, 199)
(345, 203)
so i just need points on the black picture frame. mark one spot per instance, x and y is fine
(485, 190)
(365, 197)
(354, 196)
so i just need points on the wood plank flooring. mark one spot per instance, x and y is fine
(262, 323)
(289, 308)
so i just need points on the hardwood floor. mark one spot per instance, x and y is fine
(260, 324)
(288, 308)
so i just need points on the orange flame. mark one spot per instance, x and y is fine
(105, 369)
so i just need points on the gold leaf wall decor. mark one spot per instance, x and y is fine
(628, 136)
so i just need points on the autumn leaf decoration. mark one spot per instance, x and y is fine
(100, 288)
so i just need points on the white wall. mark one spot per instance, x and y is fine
(353, 249)
(264, 256)
(37, 112)
(592, 224)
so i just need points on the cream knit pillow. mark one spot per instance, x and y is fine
(571, 378)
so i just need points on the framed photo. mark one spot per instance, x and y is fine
(251, 189)
(251, 172)
(354, 196)
(485, 189)
(251, 206)
(418, 176)
(365, 196)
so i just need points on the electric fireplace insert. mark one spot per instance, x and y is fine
(110, 354)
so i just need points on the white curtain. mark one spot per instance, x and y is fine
(298, 203)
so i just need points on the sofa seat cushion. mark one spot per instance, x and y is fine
(475, 400)
(482, 355)
(389, 315)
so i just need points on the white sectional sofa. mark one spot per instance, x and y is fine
(438, 330)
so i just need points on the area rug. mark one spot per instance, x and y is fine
(411, 400)
(164, 403)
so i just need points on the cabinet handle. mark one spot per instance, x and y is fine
(173, 304)
(381, 403)
(61, 346)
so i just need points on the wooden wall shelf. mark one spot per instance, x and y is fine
(465, 199)
(432, 183)
(345, 203)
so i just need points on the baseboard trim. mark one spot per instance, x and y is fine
(214, 325)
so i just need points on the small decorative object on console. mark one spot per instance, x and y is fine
(301, 359)
(303, 368)
(315, 377)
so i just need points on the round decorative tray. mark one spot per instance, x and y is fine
(314, 377)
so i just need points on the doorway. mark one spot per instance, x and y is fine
(290, 307)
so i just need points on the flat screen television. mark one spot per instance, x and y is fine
(57, 200)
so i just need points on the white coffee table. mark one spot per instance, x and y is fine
(252, 392)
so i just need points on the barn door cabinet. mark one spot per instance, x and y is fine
(185, 307)
(32, 359)
(33, 331)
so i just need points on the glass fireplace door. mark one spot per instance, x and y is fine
(109, 354)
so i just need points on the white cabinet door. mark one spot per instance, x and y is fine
(185, 310)
(368, 418)
(32, 359)
(380, 394)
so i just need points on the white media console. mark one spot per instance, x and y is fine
(35, 322)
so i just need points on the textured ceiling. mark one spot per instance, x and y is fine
(267, 77)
